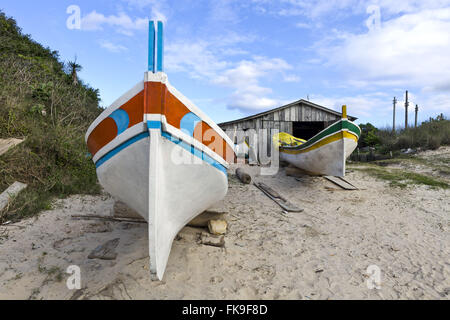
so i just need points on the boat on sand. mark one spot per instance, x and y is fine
(161, 155)
(326, 152)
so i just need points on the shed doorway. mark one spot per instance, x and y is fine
(307, 129)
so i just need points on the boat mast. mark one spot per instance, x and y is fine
(344, 112)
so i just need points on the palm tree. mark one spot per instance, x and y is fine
(74, 67)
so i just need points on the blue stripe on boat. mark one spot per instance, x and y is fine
(154, 124)
(198, 153)
(157, 125)
(121, 119)
(119, 148)
(188, 123)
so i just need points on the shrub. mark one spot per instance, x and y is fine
(39, 102)
(430, 134)
(434, 142)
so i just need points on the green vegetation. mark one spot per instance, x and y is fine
(41, 102)
(430, 134)
(369, 137)
(401, 178)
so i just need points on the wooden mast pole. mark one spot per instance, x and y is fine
(393, 120)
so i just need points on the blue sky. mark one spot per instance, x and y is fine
(236, 58)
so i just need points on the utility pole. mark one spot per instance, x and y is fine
(406, 110)
(415, 122)
(393, 121)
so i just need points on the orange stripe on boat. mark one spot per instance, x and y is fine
(135, 109)
(102, 135)
(154, 97)
(107, 130)
(214, 141)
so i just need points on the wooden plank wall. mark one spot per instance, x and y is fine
(282, 120)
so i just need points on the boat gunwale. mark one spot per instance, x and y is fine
(138, 88)
(145, 134)
(330, 130)
(143, 127)
(332, 138)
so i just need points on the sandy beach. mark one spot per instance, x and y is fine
(321, 253)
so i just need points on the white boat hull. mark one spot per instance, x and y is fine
(327, 152)
(164, 158)
(165, 182)
(328, 160)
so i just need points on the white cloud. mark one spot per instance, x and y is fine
(412, 49)
(112, 47)
(378, 106)
(208, 61)
(122, 22)
(157, 15)
(291, 78)
(245, 80)
(361, 106)
(94, 21)
(320, 8)
(157, 12)
(142, 3)
(195, 58)
(303, 25)
(223, 11)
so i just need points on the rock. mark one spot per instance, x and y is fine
(243, 176)
(202, 220)
(217, 227)
(210, 240)
(9, 193)
(105, 251)
(409, 151)
(217, 279)
(188, 234)
(121, 210)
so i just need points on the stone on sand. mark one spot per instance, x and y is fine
(105, 251)
(202, 220)
(211, 240)
(217, 227)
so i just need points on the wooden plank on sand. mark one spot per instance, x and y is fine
(279, 199)
(6, 144)
(341, 182)
(10, 193)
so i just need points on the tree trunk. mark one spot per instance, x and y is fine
(75, 78)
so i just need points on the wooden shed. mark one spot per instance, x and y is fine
(302, 119)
